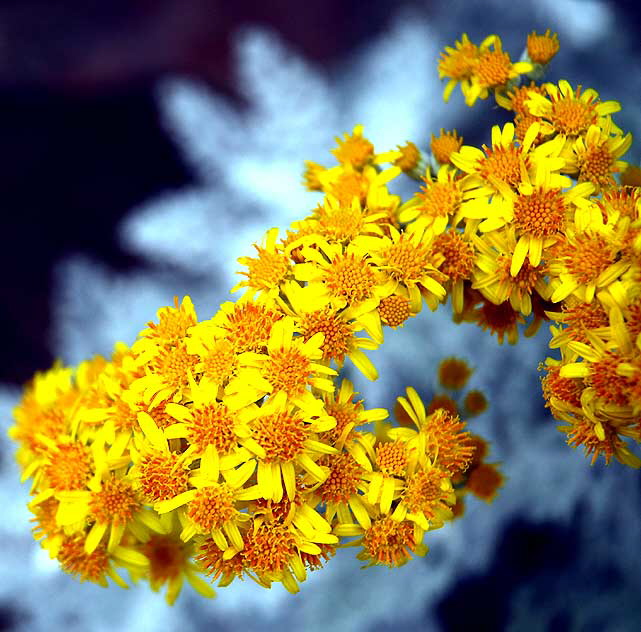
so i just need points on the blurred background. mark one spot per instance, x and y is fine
(146, 145)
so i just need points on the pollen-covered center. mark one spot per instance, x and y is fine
(212, 424)
(391, 458)
(409, 158)
(613, 388)
(345, 413)
(587, 257)
(115, 502)
(212, 507)
(281, 435)
(173, 324)
(338, 333)
(458, 254)
(540, 214)
(341, 224)
(267, 270)
(596, 164)
(572, 116)
(354, 150)
(406, 261)
(249, 325)
(351, 278)
(389, 542)
(162, 476)
(541, 48)
(493, 68)
(269, 548)
(70, 467)
(444, 145)
(425, 492)
(220, 362)
(394, 310)
(173, 365)
(502, 163)
(343, 479)
(439, 199)
(581, 317)
(288, 370)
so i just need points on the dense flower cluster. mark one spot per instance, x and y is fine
(231, 447)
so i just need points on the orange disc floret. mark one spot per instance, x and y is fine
(76, 561)
(409, 158)
(541, 48)
(339, 334)
(281, 435)
(212, 507)
(44, 520)
(484, 481)
(572, 113)
(343, 479)
(350, 277)
(442, 401)
(475, 402)
(288, 370)
(70, 467)
(586, 256)
(597, 164)
(161, 476)
(220, 362)
(439, 198)
(388, 542)
(248, 326)
(173, 364)
(210, 559)
(266, 271)
(354, 149)
(173, 323)
(581, 432)
(494, 67)
(447, 442)
(115, 502)
(429, 492)
(269, 549)
(160, 416)
(516, 98)
(407, 261)
(340, 224)
(458, 255)
(626, 201)
(392, 458)
(346, 414)
(580, 317)
(394, 310)
(453, 373)
(349, 185)
(565, 389)
(212, 424)
(444, 145)
(605, 380)
(504, 163)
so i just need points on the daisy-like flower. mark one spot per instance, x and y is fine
(457, 65)
(287, 439)
(346, 276)
(407, 258)
(438, 202)
(568, 111)
(494, 277)
(493, 70)
(314, 315)
(595, 157)
(516, 98)
(266, 272)
(289, 367)
(310, 176)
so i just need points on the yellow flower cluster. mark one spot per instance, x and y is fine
(230, 446)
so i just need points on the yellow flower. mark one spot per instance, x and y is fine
(568, 111)
(542, 48)
(457, 64)
(354, 149)
(493, 70)
(444, 145)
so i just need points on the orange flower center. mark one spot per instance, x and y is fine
(343, 479)
(587, 257)
(541, 48)
(220, 362)
(494, 68)
(162, 476)
(391, 458)
(394, 310)
(571, 116)
(70, 467)
(269, 548)
(212, 507)
(445, 145)
(341, 224)
(353, 150)
(389, 542)
(116, 502)
(409, 158)
(423, 493)
(173, 365)
(213, 424)
(267, 270)
(408, 262)
(248, 326)
(613, 388)
(540, 214)
(351, 278)
(288, 370)
(439, 199)
(281, 435)
(597, 165)
(88, 566)
(502, 163)
(458, 255)
(167, 557)
(338, 333)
